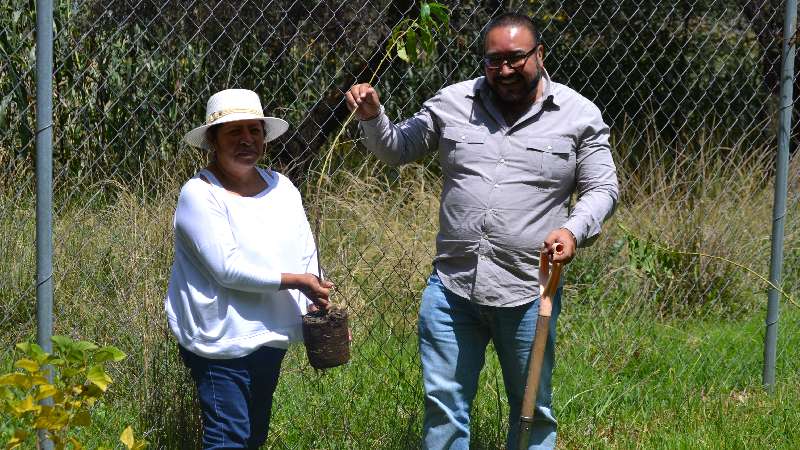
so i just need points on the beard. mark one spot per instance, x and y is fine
(518, 92)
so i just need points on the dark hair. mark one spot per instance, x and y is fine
(513, 20)
(211, 132)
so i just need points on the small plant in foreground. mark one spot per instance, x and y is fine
(79, 382)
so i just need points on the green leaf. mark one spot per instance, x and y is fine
(19, 438)
(45, 391)
(30, 348)
(109, 353)
(127, 438)
(24, 347)
(16, 379)
(5, 393)
(411, 45)
(52, 419)
(98, 377)
(424, 12)
(55, 361)
(69, 372)
(397, 31)
(426, 39)
(27, 365)
(38, 380)
(62, 343)
(75, 356)
(84, 346)
(81, 419)
(401, 50)
(25, 405)
(440, 13)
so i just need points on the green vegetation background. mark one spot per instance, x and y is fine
(654, 351)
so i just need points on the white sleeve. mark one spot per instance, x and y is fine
(202, 225)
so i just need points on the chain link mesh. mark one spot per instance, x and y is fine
(689, 89)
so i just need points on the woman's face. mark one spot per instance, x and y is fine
(239, 144)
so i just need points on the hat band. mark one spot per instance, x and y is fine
(216, 115)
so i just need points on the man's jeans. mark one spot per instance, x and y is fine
(453, 334)
(235, 396)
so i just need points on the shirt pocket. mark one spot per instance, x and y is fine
(554, 158)
(459, 146)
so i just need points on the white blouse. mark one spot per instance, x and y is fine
(223, 299)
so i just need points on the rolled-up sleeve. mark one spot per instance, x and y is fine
(596, 179)
(397, 144)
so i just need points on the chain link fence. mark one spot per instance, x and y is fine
(689, 89)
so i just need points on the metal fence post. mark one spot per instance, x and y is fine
(781, 176)
(44, 182)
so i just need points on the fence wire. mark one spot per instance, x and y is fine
(689, 89)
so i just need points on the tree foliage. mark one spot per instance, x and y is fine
(132, 76)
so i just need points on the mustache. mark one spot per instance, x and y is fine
(512, 77)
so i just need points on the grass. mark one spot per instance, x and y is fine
(619, 383)
(665, 358)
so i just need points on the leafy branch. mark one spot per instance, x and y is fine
(411, 40)
(79, 382)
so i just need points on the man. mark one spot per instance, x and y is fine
(513, 146)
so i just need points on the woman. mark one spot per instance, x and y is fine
(240, 280)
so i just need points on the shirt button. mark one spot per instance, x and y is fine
(549, 147)
(496, 185)
(463, 137)
(502, 161)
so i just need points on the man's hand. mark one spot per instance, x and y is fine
(363, 99)
(566, 239)
(308, 283)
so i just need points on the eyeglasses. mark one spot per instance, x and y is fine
(495, 62)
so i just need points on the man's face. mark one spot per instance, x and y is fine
(512, 77)
(240, 143)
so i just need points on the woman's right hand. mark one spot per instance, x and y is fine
(309, 284)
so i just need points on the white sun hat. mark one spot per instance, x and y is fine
(231, 105)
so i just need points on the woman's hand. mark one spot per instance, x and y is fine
(317, 291)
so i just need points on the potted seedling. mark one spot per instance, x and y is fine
(326, 332)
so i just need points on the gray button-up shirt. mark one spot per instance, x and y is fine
(506, 186)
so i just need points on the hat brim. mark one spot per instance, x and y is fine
(274, 127)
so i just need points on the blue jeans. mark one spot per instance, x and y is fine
(235, 396)
(453, 335)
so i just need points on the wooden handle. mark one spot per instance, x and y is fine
(549, 276)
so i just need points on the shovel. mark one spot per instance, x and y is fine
(548, 284)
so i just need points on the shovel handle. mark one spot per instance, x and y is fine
(550, 275)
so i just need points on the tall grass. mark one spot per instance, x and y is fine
(646, 359)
